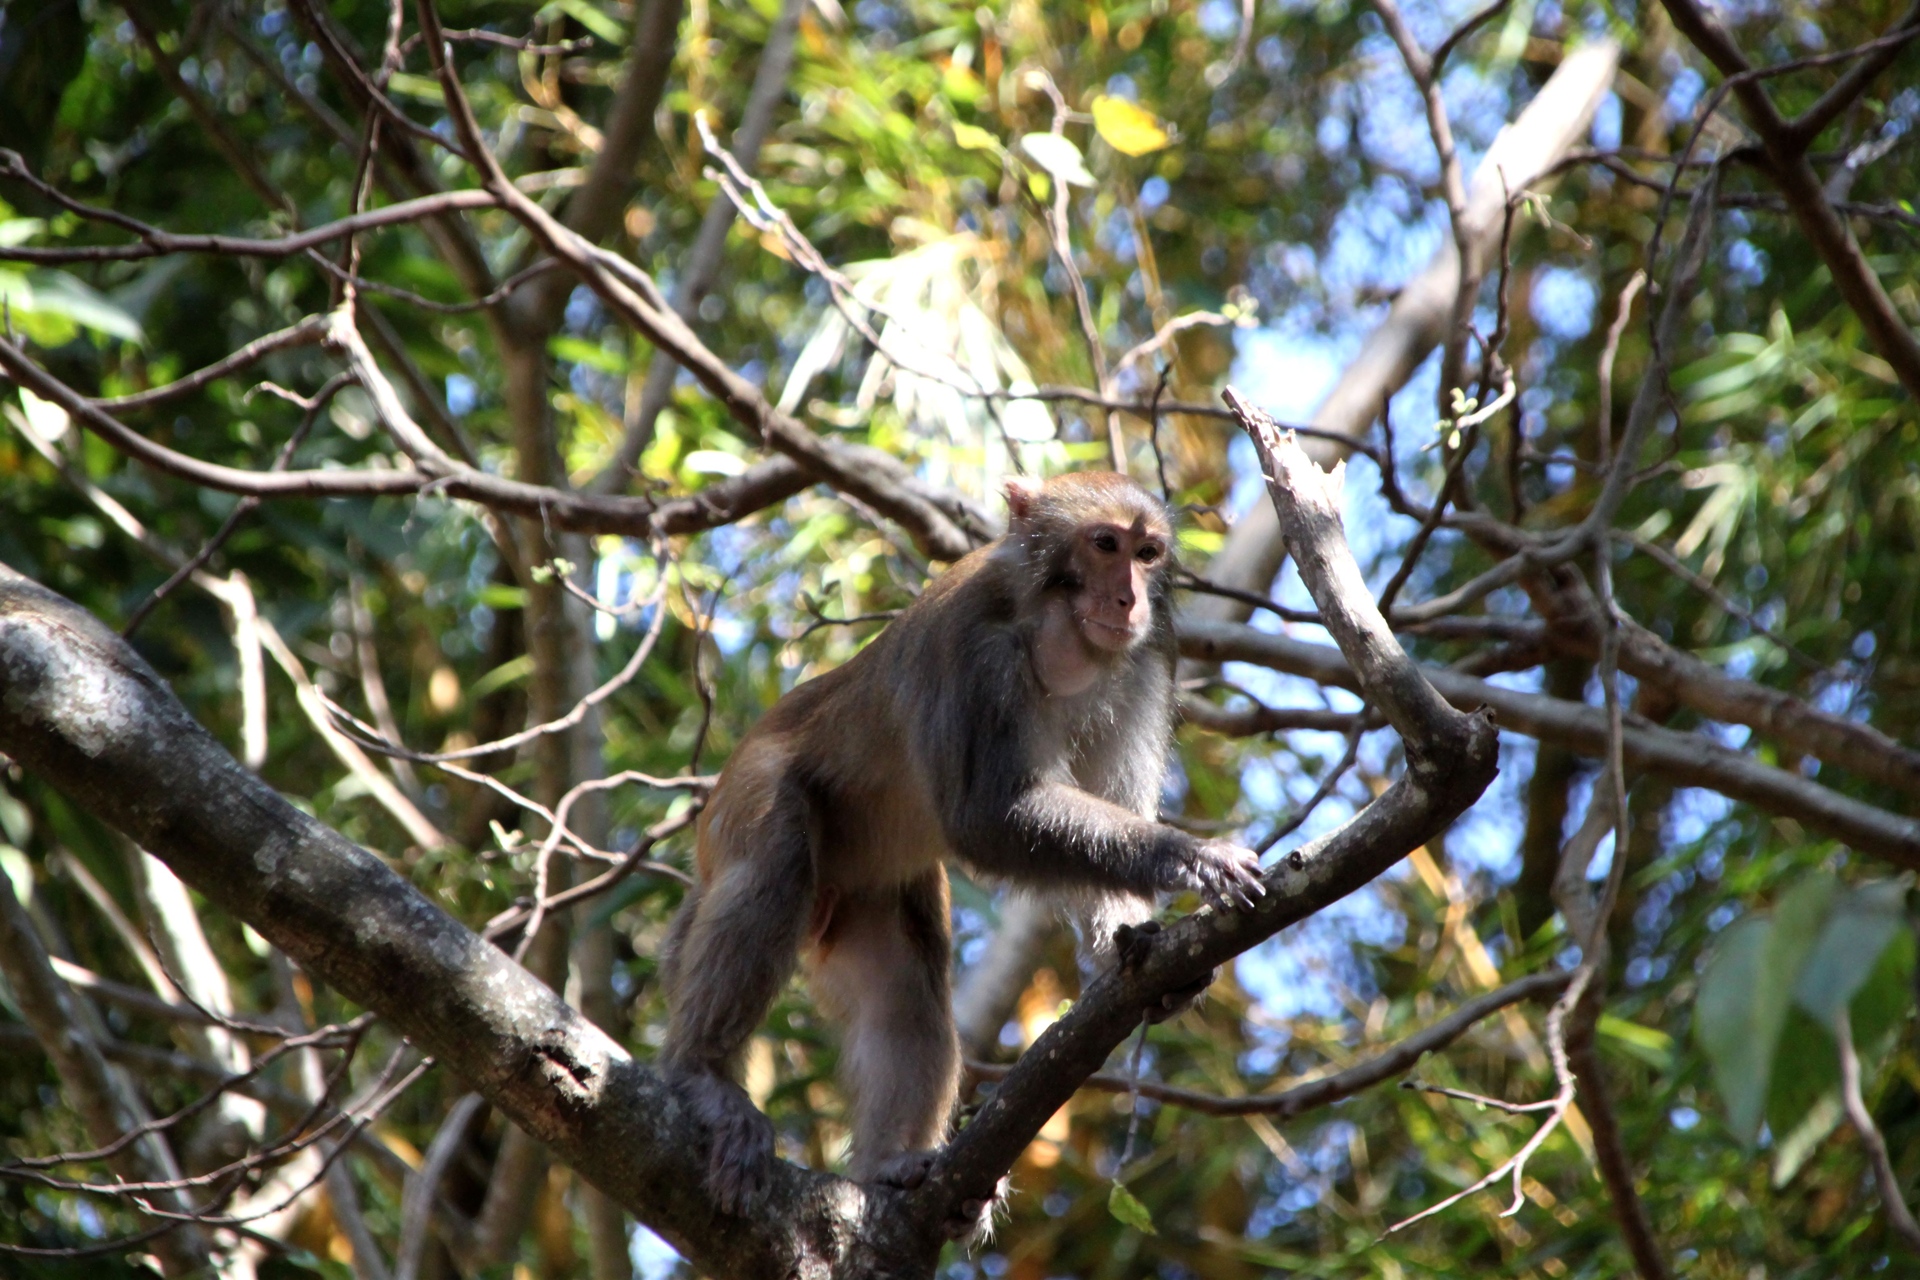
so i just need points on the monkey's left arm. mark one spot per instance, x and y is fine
(1004, 814)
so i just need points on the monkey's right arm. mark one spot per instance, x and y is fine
(1004, 813)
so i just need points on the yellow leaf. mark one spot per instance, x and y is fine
(974, 138)
(1129, 129)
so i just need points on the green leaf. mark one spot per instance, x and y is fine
(57, 296)
(498, 595)
(17, 871)
(1803, 1106)
(591, 354)
(17, 231)
(501, 676)
(1126, 1208)
(419, 88)
(1806, 1071)
(593, 20)
(1745, 995)
(1863, 921)
(1649, 1044)
(1803, 1139)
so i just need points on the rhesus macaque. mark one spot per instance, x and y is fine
(1017, 718)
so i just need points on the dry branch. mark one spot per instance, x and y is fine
(1688, 759)
(1553, 122)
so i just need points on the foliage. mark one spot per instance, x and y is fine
(1293, 180)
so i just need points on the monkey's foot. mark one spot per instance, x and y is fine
(972, 1220)
(1132, 944)
(906, 1170)
(742, 1141)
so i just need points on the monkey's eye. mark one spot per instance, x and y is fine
(1106, 542)
(1147, 554)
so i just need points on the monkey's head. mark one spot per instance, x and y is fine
(1099, 541)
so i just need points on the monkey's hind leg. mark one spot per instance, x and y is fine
(731, 951)
(881, 971)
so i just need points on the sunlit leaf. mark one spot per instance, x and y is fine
(1059, 157)
(591, 354)
(593, 19)
(973, 137)
(1128, 127)
(15, 231)
(713, 462)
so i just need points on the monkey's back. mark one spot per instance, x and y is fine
(851, 744)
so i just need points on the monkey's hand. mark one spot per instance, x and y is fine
(1226, 874)
(742, 1140)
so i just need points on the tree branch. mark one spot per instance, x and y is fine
(721, 503)
(82, 710)
(1329, 1089)
(1786, 145)
(1525, 151)
(1689, 759)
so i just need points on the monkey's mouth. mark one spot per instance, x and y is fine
(1108, 636)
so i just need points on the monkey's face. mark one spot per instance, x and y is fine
(1114, 566)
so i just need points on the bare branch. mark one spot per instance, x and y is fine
(106, 1109)
(1327, 1090)
(1885, 1180)
(154, 242)
(1786, 143)
(1689, 759)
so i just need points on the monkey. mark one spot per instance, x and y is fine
(1015, 718)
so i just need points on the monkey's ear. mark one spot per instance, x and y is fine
(1022, 493)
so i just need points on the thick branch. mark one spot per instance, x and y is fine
(82, 710)
(1802, 729)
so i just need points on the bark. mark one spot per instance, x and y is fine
(83, 711)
